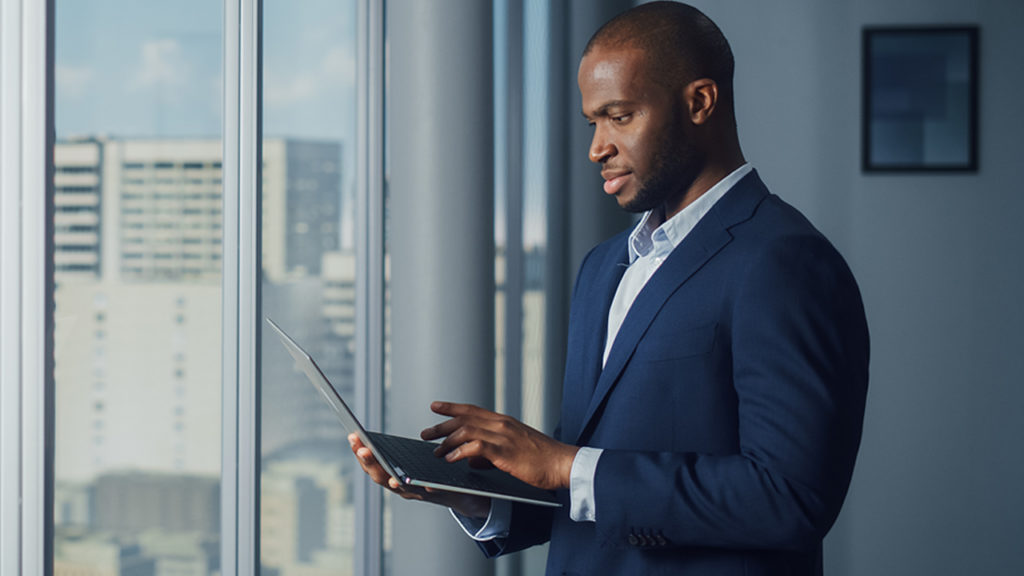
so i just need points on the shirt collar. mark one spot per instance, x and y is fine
(654, 234)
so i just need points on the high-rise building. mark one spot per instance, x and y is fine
(138, 378)
(84, 553)
(149, 210)
(77, 200)
(129, 502)
(138, 357)
(165, 205)
(320, 314)
(138, 268)
(301, 206)
(307, 516)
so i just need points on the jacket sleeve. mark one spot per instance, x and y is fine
(799, 348)
(531, 525)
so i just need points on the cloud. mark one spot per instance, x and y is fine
(73, 81)
(162, 65)
(339, 67)
(333, 73)
(299, 88)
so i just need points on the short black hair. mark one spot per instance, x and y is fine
(681, 44)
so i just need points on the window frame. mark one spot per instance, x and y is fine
(240, 286)
(370, 285)
(26, 281)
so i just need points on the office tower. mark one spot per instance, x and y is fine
(307, 516)
(319, 312)
(129, 502)
(80, 553)
(138, 350)
(301, 206)
(138, 268)
(165, 208)
(77, 183)
(150, 210)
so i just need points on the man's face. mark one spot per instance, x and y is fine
(641, 133)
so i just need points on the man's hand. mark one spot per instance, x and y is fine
(466, 504)
(505, 442)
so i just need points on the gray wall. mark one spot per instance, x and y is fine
(939, 485)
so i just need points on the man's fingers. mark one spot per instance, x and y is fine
(446, 408)
(372, 468)
(454, 409)
(472, 449)
(454, 438)
(441, 430)
(469, 434)
(462, 415)
(367, 462)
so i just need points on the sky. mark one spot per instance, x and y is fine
(141, 68)
(153, 69)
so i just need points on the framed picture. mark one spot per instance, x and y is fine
(920, 99)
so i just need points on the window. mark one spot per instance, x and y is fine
(139, 425)
(307, 513)
(139, 241)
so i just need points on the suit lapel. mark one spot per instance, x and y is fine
(593, 317)
(705, 241)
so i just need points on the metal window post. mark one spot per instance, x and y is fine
(370, 270)
(26, 287)
(241, 286)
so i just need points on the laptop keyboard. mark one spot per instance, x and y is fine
(419, 462)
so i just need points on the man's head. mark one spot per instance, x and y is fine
(656, 83)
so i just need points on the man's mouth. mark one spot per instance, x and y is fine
(614, 180)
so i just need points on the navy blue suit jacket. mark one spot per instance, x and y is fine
(730, 408)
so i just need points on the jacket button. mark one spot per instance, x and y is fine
(633, 540)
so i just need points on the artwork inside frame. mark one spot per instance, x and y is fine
(920, 99)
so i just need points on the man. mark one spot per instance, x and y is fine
(718, 352)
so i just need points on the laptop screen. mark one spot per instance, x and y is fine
(305, 362)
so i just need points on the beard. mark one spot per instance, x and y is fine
(673, 171)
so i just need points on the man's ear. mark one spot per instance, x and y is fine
(701, 99)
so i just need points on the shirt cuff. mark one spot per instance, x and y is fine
(581, 485)
(496, 526)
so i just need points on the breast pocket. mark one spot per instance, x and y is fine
(665, 344)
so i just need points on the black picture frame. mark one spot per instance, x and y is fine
(920, 100)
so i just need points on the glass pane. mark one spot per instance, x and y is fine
(137, 270)
(307, 521)
(537, 30)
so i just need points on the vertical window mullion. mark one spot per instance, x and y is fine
(240, 440)
(370, 270)
(26, 383)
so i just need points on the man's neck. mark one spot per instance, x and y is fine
(712, 174)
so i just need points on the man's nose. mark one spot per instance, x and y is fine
(601, 149)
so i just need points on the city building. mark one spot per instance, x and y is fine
(307, 514)
(77, 187)
(138, 244)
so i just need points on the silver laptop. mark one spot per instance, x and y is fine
(413, 461)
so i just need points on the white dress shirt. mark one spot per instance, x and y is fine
(650, 243)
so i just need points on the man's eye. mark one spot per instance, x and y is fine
(621, 119)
